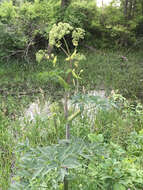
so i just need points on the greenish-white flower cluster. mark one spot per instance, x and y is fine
(60, 30)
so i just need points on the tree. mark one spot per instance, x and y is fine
(130, 7)
(65, 3)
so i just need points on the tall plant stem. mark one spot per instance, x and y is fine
(66, 115)
(67, 133)
(66, 183)
(66, 111)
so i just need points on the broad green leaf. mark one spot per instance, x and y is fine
(96, 138)
(63, 83)
(118, 186)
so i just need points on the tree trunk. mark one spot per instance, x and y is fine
(142, 6)
(134, 8)
(65, 3)
(126, 8)
(130, 10)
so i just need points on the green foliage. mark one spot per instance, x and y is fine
(80, 14)
(122, 121)
(25, 26)
(98, 164)
(52, 159)
(135, 145)
(114, 70)
(7, 11)
(6, 152)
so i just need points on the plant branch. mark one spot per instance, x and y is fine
(64, 51)
(66, 46)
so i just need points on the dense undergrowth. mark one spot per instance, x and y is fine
(105, 154)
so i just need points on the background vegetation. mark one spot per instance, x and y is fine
(105, 149)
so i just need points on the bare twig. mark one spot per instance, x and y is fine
(12, 54)
(21, 93)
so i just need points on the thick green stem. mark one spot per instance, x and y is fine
(67, 133)
(66, 115)
(65, 183)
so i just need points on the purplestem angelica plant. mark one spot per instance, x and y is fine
(57, 37)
